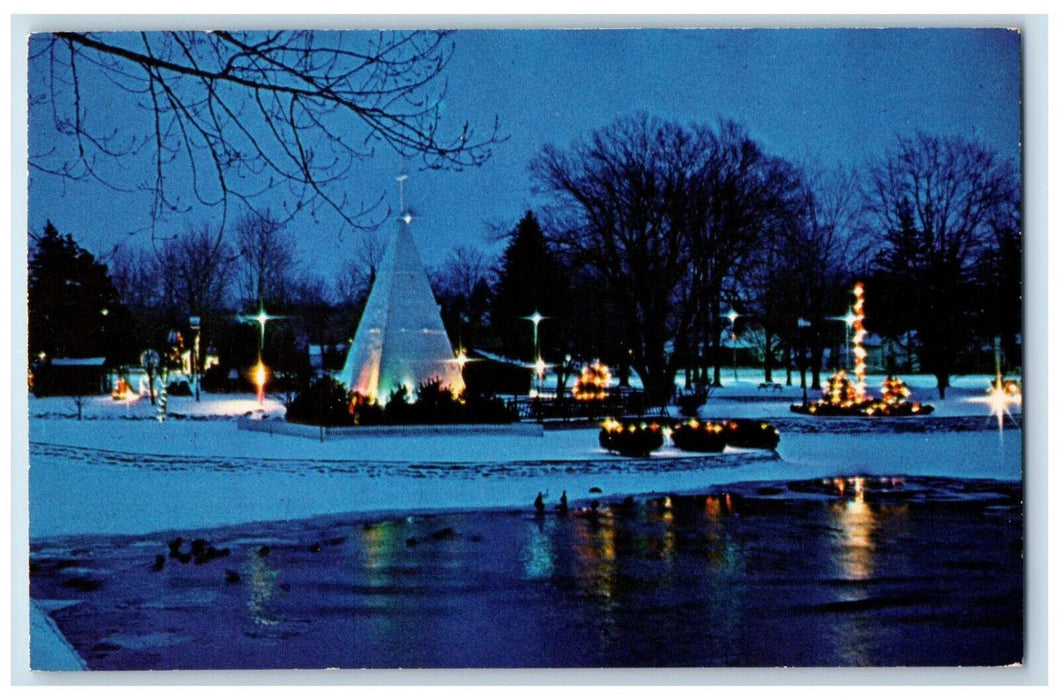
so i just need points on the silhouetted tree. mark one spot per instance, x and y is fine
(736, 198)
(998, 277)
(933, 201)
(267, 262)
(74, 309)
(195, 270)
(462, 287)
(530, 280)
(667, 219)
(212, 116)
(821, 251)
(623, 191)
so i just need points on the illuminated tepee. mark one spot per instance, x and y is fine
(400, 341)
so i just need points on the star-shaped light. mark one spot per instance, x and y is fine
(1000, 397)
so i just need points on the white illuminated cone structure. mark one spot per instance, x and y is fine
(400, 341)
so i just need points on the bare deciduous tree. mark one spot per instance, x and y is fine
(818, 253)
(933, 202)
(667, 217)
(194, 270)
(208, 117)
(624, 190)
(735, 199)
(267, 259)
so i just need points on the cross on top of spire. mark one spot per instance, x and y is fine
(405, 216)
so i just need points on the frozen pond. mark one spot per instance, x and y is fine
(857, 542)
(838, 572)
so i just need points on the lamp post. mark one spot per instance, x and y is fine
(803, 326)
(259, 373)
(538, 364)
(732, 316)
(850, 318)
(196, 323)
(262, 318)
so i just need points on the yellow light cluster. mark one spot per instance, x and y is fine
(895, 391)
(859, 353)
(593, 382)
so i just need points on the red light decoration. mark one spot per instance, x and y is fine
(123, 391)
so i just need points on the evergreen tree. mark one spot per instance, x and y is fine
(530, 279)
(74, 309)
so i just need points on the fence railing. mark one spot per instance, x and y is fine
(282, 427)
(621, 402)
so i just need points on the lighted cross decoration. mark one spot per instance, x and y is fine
(261, 318)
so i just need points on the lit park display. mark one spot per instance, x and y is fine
(631, 439)
(845, 396)
(639, 439)
(592, 383)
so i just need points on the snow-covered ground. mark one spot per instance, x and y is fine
(118, 471)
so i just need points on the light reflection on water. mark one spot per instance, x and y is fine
(854, 558)
(856, 522)
(261, 580)
(829, 573)
(538, 555)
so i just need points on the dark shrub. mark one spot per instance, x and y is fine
(367, 411)
(399, 409)
(630, 439)
(435, 404)
(694, 436)
(325, 402)
(689, 404)
(751, 434)
(488, 409)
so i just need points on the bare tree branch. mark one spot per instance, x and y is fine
(236, 114)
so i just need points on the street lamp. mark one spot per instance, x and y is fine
(538, 363)
(196, 323)
(732, 316)
(849, 319)
(262, 318)
(259, 372)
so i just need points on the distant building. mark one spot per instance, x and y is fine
(70, 376)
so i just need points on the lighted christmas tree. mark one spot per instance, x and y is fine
(593, 382)
(849, 397)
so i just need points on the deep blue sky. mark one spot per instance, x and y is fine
(828, 96)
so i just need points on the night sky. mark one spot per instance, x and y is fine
(821, 96)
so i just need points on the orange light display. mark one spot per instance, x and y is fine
(593, 382)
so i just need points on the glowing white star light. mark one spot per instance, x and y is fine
(1000, 397)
